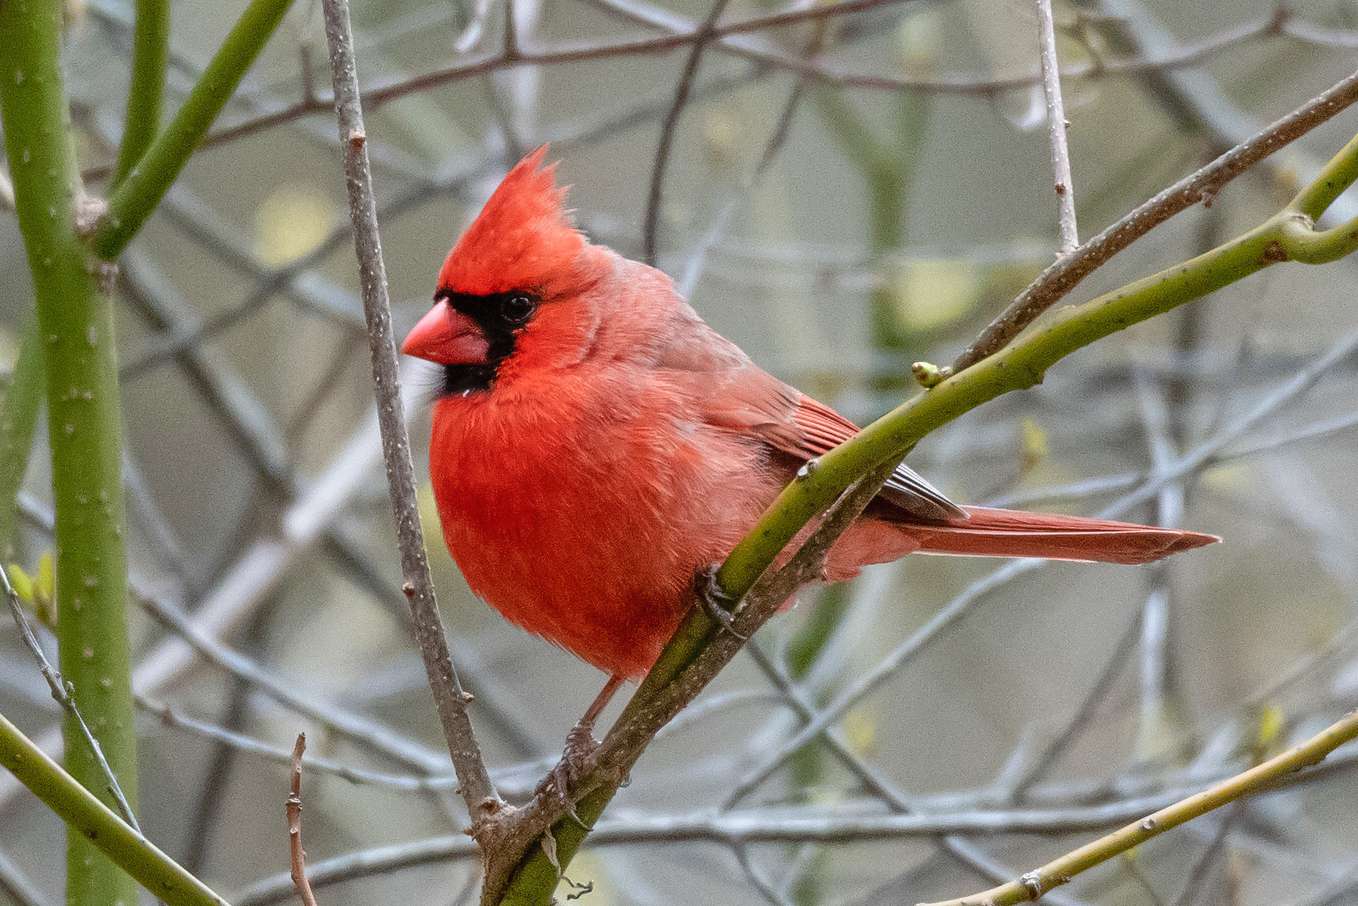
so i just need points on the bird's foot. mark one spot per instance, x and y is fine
(580, 745)
(715, 601)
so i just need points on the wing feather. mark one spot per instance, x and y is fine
(737, 394)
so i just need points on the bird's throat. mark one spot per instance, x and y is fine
(464, 380)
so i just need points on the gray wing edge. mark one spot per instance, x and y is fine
(908, 490)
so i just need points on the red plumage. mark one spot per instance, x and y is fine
(592, 455)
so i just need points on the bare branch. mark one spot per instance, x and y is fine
(477, 789)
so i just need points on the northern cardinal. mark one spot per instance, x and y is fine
(595, 443)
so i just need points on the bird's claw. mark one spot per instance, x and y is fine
(714, 600)
(580, 745)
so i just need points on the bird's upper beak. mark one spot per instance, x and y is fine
(446, 336)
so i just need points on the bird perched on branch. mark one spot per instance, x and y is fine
(596, 444)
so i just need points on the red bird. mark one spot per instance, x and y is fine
(596, 443)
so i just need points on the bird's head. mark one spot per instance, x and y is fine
(505, 290)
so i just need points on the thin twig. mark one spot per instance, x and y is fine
(64, 694)
(508, 779)
(1195, 97)
(293, 809)
(1056, 127)
(771, 894)
(667, 131)
(1202, 868)
(476, 787)
(1051, 753)
(392, 90)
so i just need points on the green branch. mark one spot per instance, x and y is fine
(1288, 235)
(18, 420)
(75, 321)
(146, 88)
(96, 822)
(156, 170)
(1330, 182)
(1017, 367)
(887, 440)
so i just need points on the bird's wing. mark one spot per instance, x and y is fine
(737, 394)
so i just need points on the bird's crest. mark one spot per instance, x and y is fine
(523, 239)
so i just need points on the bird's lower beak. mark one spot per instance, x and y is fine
(447, 337)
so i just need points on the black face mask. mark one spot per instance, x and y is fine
(500, 316)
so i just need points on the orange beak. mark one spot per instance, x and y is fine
(446, 336)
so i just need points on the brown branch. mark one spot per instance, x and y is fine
(1065, 274)
(293, 809)
(476, 787)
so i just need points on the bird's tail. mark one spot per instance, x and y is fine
(1013, 533)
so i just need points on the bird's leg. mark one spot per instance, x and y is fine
(581, 737)
(580, 744)
(714, 600)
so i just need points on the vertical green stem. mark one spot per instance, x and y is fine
(18, 419)
(150, 50)
(76, 325)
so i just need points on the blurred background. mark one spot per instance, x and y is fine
(842, 196)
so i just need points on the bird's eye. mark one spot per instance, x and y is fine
(517, 309)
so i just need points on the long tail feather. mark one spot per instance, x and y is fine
(1012, 533)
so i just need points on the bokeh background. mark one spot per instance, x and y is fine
(896, 215)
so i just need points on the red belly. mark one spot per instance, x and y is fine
(589, 534)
